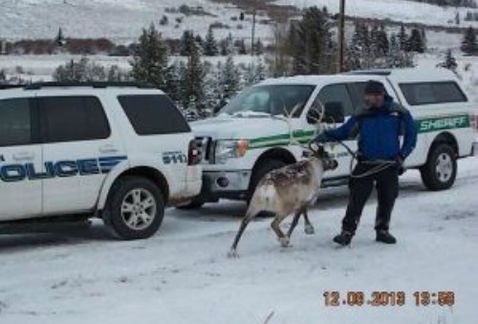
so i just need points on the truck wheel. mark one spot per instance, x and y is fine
(135, 208)
(263, 169)
(439, 173)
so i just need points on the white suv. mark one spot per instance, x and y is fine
(116, 151)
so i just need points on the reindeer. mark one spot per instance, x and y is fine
(289, 190)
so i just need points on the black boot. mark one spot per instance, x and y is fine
(385, 237)
(343, 238)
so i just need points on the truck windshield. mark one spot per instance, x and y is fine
(270, 100)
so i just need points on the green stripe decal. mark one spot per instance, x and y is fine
(283, 139)
(443, 123)
(424, 126)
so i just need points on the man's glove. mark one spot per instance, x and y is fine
(321, 138)
(399, 162)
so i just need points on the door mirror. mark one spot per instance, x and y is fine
(334, 113)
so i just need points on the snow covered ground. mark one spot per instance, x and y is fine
(182, 274)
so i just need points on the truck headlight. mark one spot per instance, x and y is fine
(227, 149)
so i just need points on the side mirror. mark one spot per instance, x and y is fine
(334, 113)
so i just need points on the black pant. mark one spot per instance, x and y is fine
(386, 182)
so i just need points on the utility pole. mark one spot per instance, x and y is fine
(253, 32)
(341, 45)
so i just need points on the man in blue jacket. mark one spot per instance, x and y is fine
(378, 125)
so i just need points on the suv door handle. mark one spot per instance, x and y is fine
(24, 156)
(108, 148)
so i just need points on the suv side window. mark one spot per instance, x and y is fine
(76, 118)
(424, 93)
(337, 93)
(17, 124)
(153, 114)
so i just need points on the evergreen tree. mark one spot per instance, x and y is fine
(449, 63)
(415, 42)
(398, 58)
(382, 42)
(210, 44)
(227, 45)
(311, 43)
(192, 81)
(188, 43)
(259, 48)
(230, 79)
(403, 38)
(60, 38)
(255, 72)
(212, 96)
(242, 47)
(3, 77)
(173, 82)
(360, 52)
(469, 45)
(150, 58)
(424, 38)
(199, 41)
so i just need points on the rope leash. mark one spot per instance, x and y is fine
(381, 164)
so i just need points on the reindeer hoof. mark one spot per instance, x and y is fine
(284, 241)
(233, 254)
(309, 229)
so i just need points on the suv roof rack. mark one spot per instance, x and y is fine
(371, 72)
(99, 85)
(10, 86)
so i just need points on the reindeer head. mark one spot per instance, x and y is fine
(328, 163)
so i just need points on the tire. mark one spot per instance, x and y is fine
(263, 169)
(135, 193)
(439, 173)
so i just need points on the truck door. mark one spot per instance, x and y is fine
(80, 145)
(339, 93)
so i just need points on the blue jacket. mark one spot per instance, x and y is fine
(379, 131)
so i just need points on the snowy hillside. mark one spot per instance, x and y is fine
(397, 10)
(122, 20)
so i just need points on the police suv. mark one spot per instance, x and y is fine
(251, 136)
(117, 151)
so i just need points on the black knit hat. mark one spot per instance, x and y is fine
(374, 88)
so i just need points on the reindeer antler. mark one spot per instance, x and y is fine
(292, 139)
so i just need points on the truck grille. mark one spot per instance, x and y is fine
(206, 147)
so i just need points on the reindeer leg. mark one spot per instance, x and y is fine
(295, 220)
(308, 227)
(244, 223)
(284, 240)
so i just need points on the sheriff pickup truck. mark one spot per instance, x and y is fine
(249, 137)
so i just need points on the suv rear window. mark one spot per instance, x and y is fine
(75, 118)
(425, 93)
(16, 122)
(153, 114)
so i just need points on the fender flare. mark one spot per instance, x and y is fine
(119, 170)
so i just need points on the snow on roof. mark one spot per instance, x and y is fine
(399, 75)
